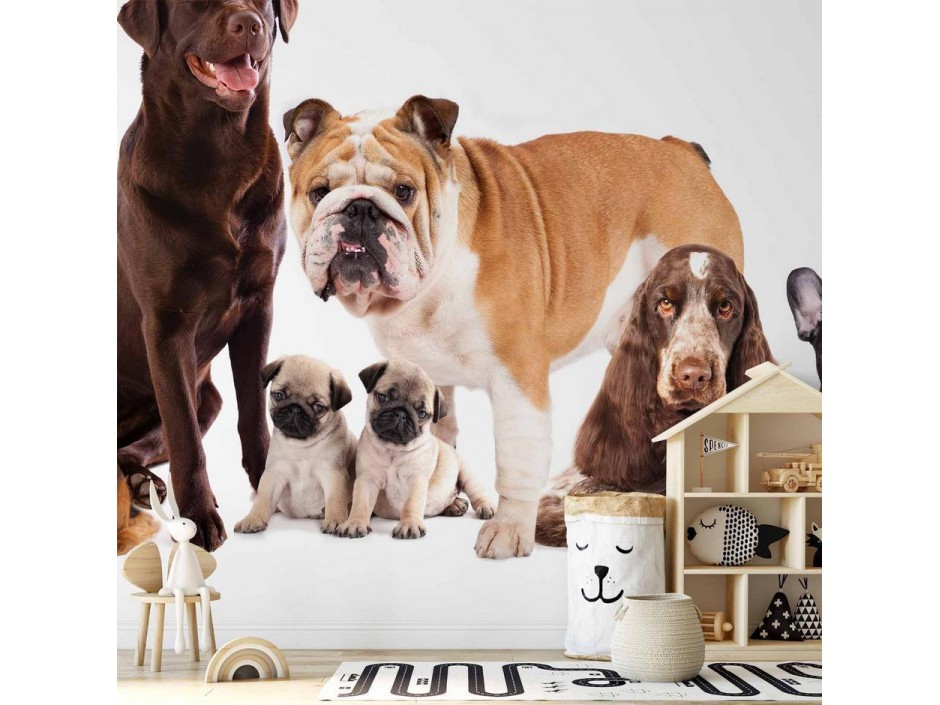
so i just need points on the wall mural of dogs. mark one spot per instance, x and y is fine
(804, 294)
(488, 265)
(201, 233)
(693, 331)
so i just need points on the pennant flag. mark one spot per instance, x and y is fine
(715, 445)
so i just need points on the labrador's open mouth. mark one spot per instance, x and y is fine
(238, 74)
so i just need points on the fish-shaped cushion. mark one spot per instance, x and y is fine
(730, 536)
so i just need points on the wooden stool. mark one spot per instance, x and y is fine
(143, 568)
(146, 599)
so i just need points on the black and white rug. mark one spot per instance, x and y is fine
(786, 681)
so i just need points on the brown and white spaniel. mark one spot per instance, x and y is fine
(693, 332)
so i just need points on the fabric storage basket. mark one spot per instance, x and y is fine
(658, 638)
(616, 544)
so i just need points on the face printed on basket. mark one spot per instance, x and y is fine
(599, 559)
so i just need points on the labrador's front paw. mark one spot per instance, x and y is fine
(409, 529)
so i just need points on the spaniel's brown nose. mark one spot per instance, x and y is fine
(692, 374)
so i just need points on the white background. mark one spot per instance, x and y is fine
(741, 78)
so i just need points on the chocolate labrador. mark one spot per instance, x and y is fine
(201, 234)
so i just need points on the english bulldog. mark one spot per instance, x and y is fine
(490, 265)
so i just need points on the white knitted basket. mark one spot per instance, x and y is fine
(658, 638)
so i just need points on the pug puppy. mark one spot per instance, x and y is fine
(311, 459)
(403, 471)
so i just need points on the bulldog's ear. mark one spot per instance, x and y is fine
(285, 11)
(432, 119)
(440, 405)
(306, 121)
(269, 371)
(141, 20)
(340, 395)
(370, 376)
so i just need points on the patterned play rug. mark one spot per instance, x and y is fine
(790, 681)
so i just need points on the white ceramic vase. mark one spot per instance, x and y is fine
(658, 638)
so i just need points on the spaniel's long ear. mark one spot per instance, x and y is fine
(751, 348)
(614, 439)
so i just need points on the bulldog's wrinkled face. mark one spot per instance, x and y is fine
(696, 304)
(403, 401)
(217, 50)
(306, 395)
(374, 199)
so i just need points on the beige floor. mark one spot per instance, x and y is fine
(181, 681)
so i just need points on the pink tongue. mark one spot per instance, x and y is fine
(237, 74)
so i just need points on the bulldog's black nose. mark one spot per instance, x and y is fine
(362, 207)
(241, 23)
(690, 533)
(601, 571)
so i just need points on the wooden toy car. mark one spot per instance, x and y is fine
(801, 474)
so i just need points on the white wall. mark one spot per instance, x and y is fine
(742, 78)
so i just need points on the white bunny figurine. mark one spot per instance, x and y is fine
(184, 576)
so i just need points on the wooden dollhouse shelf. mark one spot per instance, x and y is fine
(752, 495)
(763, 650)
(769, 391)
(749, 570)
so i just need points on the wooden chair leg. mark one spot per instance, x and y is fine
(156, 654)
(193, 630)
(142, 626)
(211, 635)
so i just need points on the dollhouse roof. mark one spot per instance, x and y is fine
(770, 390)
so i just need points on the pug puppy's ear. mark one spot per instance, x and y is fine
(306, 121)
(141, 20)
(440, 405)
(370, 376)
(432, 119)
(269, 371)
(340, 395)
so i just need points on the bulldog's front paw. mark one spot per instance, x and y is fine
(251, 525)
(353, 529)
(409, 529)
(503, 539)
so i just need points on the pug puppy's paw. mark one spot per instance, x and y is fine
(486, 511)
(250, 525)
(457, 508)
(410, 529)
(330, 526)
(352, 530)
